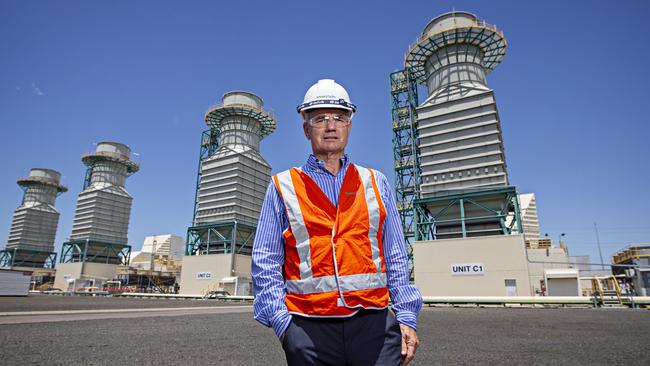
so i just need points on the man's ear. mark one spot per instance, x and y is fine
(305, 128)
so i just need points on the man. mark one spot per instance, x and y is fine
(329, 251)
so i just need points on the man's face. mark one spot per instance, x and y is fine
(328, 137)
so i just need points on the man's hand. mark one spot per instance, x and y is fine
(410, 343)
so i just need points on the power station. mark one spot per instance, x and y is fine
(231, 183)
(455, 200)
(468, 231)
(98, 243)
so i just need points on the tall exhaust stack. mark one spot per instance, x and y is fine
(104, 205)
(98, 243)
(35, 221)
(466, 214)
(451, 172)
(231, 184)
(235, 177)
(459, 131)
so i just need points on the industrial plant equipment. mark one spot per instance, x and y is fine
(231, 184)
(34, 224)
(450, 170)
(101, 223)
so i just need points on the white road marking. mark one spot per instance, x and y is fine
(20, 317)
(132, 310)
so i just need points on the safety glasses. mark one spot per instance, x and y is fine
(322, 120)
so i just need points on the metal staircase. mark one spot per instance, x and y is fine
(607, 292)
(404, 101)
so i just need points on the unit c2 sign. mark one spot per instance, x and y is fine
(203, 275)
(467, 269)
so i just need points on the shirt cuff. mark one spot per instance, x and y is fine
(408, 318)
(280, 322)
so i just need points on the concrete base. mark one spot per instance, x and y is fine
(202, 273)
(478, 266)
(83, 271)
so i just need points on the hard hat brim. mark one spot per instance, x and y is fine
(327, 103)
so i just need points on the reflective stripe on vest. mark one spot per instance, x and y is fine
(362, 281)
(373, 214)
(296, 222)
(346, 283)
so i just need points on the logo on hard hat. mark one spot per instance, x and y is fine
(338, 97)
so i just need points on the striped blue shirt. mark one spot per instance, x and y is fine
(268, 251)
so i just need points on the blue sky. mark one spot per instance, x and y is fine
(571, 94)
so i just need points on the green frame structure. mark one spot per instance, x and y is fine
(216, 114)
(95, 251)
(23, 257)
(404, 101)
(508, 214)
(484, 36)
(208, 147)
(220, 238)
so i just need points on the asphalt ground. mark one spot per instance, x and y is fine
(166, 332)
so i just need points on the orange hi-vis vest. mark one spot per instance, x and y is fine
(334, 261)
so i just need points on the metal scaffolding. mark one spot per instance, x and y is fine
(220, 238)
(404, 101)
(209, 145)
(477, 212)
(25, 257)
(95, 251)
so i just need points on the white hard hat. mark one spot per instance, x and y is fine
(326, 93)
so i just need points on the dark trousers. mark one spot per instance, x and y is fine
(370, 337)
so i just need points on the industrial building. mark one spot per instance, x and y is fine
(154, 268)
(33, 228)
(469, 231)
(98, 243)
(529, 219)
(542, 257)
(169, 247)
(633, 263)
(231, 183)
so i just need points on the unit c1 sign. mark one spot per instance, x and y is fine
(467, 269)
(203, 275)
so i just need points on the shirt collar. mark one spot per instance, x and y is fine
(316, 165)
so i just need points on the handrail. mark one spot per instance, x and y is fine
(267, 111)
(598, 286)
(616, 287)
(479, 24)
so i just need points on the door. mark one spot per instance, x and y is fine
(511, 287)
